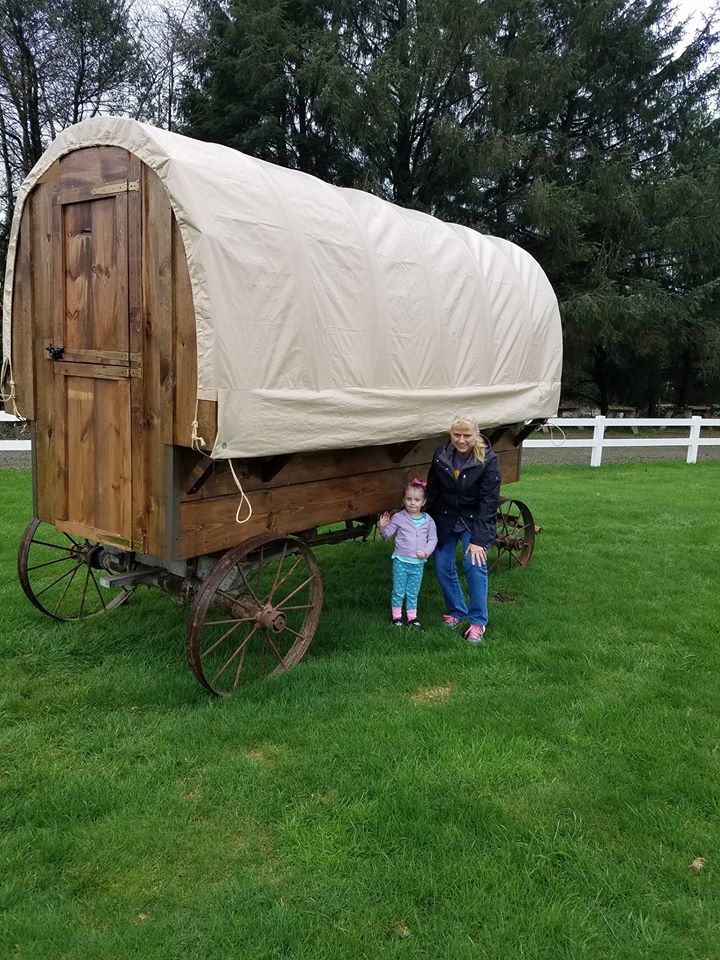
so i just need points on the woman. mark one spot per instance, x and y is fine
(463, 489)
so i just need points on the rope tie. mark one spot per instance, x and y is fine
(243, 498)
(554, 426)
(196, 441)
(9, 397)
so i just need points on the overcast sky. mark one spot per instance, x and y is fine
(694, 9)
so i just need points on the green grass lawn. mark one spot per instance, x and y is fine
(540, 796)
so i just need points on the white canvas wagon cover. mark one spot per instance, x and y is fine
(329, 318)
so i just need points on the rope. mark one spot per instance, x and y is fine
(196, 441)
(8, 397)
(243, 497)
(554, 426)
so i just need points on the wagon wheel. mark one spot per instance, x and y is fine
(255, 613)
(515, 535)
(59, 574)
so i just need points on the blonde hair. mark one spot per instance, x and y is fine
(468, 422)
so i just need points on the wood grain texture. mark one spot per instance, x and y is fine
(208, 524)
(40, 238)
(158, 352)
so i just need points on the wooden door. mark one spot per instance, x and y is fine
(97, 362)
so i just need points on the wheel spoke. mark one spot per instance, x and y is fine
(65, 590)
(227, 663)
(279, 606)
(245, 581)
(277, 652)
(84, 594)
(263, 645)
(97, 590)
(55, 546)
(236, 681)
(217, 643)
(66, 574)
(71, 539)
(277, 572)
(49, 563)
(287, 576)
(219, 623)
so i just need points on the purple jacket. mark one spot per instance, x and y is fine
(409, 536)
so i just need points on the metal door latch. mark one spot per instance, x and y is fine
(56, 353)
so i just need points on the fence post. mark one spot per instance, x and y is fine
(693, 439)
(598, 434)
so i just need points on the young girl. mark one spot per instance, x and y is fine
(415, 539)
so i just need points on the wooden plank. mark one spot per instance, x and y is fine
(42, 250)
(22, 328)
(79, 408)
(208, 525)
(83, 170)
(101, 371)
(185, 343)
(305, 467)
(139, 428)
(185, 336)
(207, 422)
(95, 533)
(158, 373)
(60, 412)
(113, 480)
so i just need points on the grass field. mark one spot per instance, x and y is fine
(544, 795)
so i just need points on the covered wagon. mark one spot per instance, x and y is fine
(226, 362)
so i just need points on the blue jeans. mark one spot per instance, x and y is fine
(477, 580)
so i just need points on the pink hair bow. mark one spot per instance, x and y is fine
(418, 483)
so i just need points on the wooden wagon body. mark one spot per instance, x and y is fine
(105, 365)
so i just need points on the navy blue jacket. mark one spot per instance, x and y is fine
(472, 498)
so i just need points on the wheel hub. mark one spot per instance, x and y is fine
(271, 619)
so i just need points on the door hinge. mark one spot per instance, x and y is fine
(122, 186)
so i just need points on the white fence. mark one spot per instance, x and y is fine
(596, 444)
(599, 441)
(12, 444)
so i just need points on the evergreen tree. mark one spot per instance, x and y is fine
(584, 130)
(259, 84)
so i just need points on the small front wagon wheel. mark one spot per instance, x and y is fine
(255, 614)
(61, 576)
(515, 537)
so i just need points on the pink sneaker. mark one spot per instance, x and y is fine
(475, 633)
(450, 621)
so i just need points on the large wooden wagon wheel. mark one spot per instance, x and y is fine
(60, 574)
(515, 537)
(255, 613)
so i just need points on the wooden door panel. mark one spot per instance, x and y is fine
(96, 374)
(96, 275)
(99, 489)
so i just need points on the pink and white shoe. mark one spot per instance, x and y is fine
(450, 621)
(475, 633)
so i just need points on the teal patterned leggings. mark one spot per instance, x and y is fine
(407, 578)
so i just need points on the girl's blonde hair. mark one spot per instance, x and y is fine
(467, 422)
